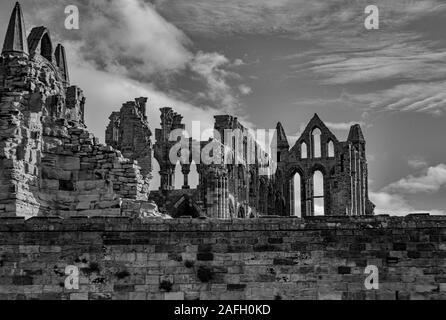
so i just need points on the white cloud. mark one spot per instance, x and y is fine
(387, 203)
(210, 66)
(431, 181)
(244, 89)
(392, 199)
(238, 62)
(131, 36)
(131, 39)
(396, 205)
(417, 162)
(106, 92)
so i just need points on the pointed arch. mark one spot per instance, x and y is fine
(241, 213)
(231, 208)
(178, 177)
(194, 178)
(303, 150)
(297, 199)
(263, 197)
(330, 149)
(39, 41)
(318, 193)
(316, 142)
(155, 182)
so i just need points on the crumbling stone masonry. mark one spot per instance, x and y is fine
(237, 187)
(49, 163)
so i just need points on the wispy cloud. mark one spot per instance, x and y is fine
(300, 17)
(426, 97)
(417, 162)
(400, 61)
(345, 126)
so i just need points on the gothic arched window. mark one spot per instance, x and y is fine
(316, 141)
(330, 149)
(303, 151)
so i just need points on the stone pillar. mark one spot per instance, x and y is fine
(225, 197)
(186, 171)
(215, 197)
(220, 197)
(209, 199)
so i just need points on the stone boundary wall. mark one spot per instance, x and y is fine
(265, 258)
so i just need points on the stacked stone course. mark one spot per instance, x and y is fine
(49, 163)
(268, 258)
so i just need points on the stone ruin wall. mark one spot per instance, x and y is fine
(267, 258)
(51, 165)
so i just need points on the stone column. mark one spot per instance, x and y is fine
(219, 197)
(225, 197)
(186, 171)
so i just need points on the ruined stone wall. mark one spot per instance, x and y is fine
(83, 177)
(129, 132)
(49, 163)
(344, 171)
(268, 258)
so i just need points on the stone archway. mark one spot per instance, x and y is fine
(241, 212)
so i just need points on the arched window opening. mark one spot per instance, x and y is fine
(297, 195)
(155, 183)
(330, 149)
(194, 178)
(303, 151)
(231, 208)
(316, 137)
(178, 177)
(241, 213)
(46, 47)
(263, 198)
(318, 194)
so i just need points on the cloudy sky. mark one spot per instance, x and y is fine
(267, 61)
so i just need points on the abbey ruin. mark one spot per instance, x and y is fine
(264, 221)
(51, 165)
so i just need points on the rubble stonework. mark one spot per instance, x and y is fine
(49, 163)
(237, 187)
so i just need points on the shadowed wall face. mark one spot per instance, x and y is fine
(275, 258)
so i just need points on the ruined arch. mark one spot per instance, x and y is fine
(330, 149)
(155, 182)
(241, 212)
(178, 176)
(318, 194)
(185, 206)
(263, 196)
(303, 150)
(193, 176)
(39, 41)
(318, 167)
(316, 142)
(296, 179)
(231, 208)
